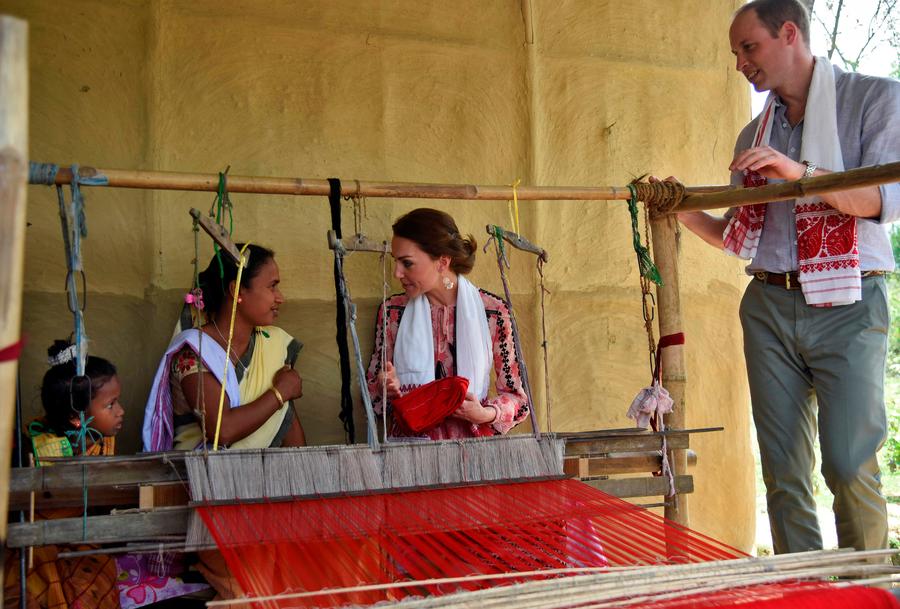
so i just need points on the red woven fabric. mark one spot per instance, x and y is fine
(314, 544)
(317, 544)
(428, 405)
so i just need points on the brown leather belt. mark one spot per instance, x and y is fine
(791, 281)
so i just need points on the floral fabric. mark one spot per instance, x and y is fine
(143, 579)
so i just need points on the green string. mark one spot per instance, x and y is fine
(221, 205)
(645, 262)
(498, 237)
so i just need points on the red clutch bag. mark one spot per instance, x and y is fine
(428, 405)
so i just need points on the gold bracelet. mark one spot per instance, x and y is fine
(278, 396)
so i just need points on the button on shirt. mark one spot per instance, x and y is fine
(868, 123)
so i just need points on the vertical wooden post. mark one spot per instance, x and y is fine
(668, 314)
(13, 181)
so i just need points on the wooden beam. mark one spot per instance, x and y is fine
(628, 463)
(113, 528)
(162, 468)
(171, 180)
(641, 443)
(644, 486)
(668, 315)
(13, 182)
(109, 496)
(818, 185)
(97, 472)
(696, 197)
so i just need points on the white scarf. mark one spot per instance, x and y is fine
(414, 348)
(827, 250)
(159, 429)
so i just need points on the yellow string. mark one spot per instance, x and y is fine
(514, 206)
(237, 286)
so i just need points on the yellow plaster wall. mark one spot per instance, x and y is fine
(398, 90)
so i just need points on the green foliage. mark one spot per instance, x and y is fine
(893, 282)
(890, 453)
(889, 457)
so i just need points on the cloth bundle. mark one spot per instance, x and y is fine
(429, 404)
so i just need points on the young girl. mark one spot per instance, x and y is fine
(78, 411)
(85, 581)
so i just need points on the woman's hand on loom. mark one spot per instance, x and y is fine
(288, 382)
(471, 410)
(393, 383)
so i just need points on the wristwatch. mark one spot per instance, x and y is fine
(810, 169)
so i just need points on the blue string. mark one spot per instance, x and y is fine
(72, 236)
(79, 436)
(42, 173)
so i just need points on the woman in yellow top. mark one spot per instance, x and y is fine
(260, 382)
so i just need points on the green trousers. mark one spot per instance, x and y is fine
(800, 357)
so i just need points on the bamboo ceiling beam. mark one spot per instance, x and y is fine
(170, 180)
(830, 182)
(695, 198)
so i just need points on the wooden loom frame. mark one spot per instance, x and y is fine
(590, 454)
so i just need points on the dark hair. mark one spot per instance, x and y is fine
(436, 233)
(61, 397)
(214, 280)
(775, 13)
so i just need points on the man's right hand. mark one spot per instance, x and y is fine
(768, 162)
(707, 227)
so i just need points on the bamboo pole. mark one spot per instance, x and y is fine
(13, 180)
(170, 180)
(831, 182)
(696, 197)
(668, 307)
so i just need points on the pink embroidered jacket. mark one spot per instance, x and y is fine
(510, 400)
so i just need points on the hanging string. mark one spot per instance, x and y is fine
(360, 209)
(237, 283)
(545, 291)
(513, 206)
(79, 438)
(74, 229)
(194, 299)
(221, 205)
(503, 264)
(383, 321)
(346, 406)
(645, 262)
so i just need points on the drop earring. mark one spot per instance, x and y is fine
(448, 283)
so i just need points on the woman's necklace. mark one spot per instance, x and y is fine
(237, 360)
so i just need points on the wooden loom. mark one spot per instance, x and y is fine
(118, 480)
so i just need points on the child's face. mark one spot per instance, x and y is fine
(105, 408)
